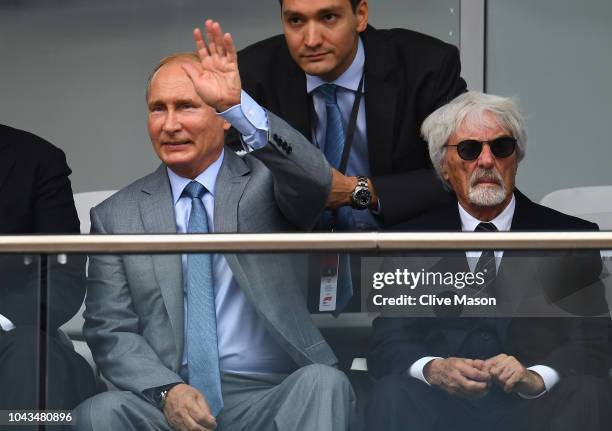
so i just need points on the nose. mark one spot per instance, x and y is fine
(312, 36)
(486, 159)
(171, 123)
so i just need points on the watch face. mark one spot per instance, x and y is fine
(362, 198)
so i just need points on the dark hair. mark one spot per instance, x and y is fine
(354, 4)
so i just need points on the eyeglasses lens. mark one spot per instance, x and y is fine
(501, 147)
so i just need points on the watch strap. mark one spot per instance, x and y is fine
(160, 393)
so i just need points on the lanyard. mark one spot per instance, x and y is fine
(350, 129)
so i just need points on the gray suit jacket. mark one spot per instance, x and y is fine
(134, 316)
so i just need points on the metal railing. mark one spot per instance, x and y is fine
(305, 242)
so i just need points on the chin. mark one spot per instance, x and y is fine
(487, 196)
(316, 69)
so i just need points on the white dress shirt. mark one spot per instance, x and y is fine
(245, 345)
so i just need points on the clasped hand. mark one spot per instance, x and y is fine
(472, 378)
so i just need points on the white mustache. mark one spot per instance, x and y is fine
(485, 174)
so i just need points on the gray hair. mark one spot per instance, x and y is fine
(471, 106)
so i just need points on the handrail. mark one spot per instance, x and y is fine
(295, 242)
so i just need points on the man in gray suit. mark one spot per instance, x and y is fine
(197, 342)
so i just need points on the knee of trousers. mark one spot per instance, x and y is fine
(393, 390)
(325, 378)
(587, 390)
(21, 344)
(105, 411)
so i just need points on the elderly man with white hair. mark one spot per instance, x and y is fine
(473, 373)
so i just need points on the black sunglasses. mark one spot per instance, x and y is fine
(501, 147)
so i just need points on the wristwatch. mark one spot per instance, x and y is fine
(361, 196)
(160, 394)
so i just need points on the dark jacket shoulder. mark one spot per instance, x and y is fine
(28, 146)
(528, 216)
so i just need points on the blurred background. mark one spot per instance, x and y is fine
(74, 71)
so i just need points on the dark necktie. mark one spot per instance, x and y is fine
(486, 262)
(202, 348)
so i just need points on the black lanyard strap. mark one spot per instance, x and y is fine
(351, 126)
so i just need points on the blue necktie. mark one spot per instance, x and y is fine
(334, 136)
(202, 349)
(334, 146)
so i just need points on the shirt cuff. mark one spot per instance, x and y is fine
(250, 119)
(550, 376)
(416, 369)
(6, 324)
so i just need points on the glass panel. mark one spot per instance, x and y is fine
(274, 315)
(20, 343)
(70, 378)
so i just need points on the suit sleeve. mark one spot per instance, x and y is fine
(396, 344)
(54, 212)
(573, 283)
(53, 204)
(302, 176)
(406, 195)
(112, 326)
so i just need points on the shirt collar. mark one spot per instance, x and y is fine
(349, 79)
(502, 222)
(207, 178)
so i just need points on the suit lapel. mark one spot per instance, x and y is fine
(294, 102)
(522, 219)
(7, 160)
(380, 101)
(231, 181)
(157, 212)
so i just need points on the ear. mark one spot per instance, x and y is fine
(444, 169)
(226, 126)
(362, 16)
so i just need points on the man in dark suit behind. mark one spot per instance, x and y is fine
(484, 372)
(36, 198)
(361, 95)
(407, 75)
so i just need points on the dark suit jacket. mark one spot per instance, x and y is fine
(569, 345)
(36, 198)
(407, 76)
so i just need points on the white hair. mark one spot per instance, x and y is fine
(471, 106)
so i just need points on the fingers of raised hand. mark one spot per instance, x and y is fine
(200, 44)
(230, 47)
(209, 29)
(218, 39)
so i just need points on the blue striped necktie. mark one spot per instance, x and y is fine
(202, 349)
(334, 136)
(334, 146)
